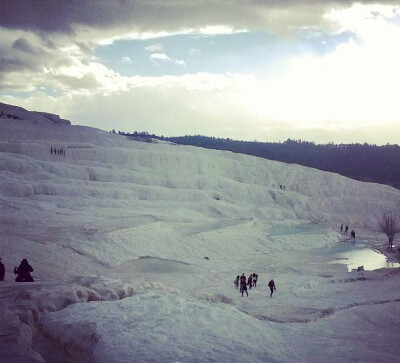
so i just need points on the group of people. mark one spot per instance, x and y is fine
(250, 282)
(23, 271)
(346, 229)
(56, 151)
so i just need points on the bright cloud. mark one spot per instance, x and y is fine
(162, 57)
(126, 60)
(155, 48)
(179, 62)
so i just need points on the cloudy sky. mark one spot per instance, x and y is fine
(268, 70)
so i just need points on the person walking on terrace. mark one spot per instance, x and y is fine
(243, 286)
(272, 287)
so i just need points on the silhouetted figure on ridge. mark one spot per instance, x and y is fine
(341, 228)
(346, 229)
(24, 272)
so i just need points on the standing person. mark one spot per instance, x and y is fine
(250, 281)
(255, 278)
(341, 228)
(243, 286)
(2, 271)
(346, 229)
(236, 281)
(272, 286)
(24, 272)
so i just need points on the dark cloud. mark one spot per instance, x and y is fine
(18, 54)
(12, 63)
(64, 16)
(26, 60)
(17, 65)
(50, 44)
(24, 46)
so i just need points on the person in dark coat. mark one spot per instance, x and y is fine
(272, 286)
(23, 272)
(2, 270)
(255, 278)
(236, 281)
(346, 229)
(250, 281)
(243, 286)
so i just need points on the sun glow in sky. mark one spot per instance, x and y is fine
(268, 70)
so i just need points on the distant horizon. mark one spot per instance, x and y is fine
(323, 71)
(281, 141)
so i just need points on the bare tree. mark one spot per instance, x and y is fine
(389, 224)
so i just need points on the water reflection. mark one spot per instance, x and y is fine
(367, 257)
